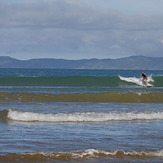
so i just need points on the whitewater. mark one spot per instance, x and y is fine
(82, 117)
(138, 81)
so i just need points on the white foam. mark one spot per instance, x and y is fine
(95, 153)
(82, 117)
(137, 81)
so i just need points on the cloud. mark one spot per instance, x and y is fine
(68, 26)
(56, 14)
(115, 47)
(161, 41)
(70, 14)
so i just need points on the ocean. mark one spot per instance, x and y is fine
(69, 116)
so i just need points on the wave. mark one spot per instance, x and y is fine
(78, 117)
(81, 155)
(120, 97)
(112, 81)
(137, 81)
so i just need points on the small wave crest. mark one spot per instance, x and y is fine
(120, 97)
(82, 155)
(81, 117)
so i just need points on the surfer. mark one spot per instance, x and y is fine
(144, 78)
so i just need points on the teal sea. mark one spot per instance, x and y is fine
(58, 115)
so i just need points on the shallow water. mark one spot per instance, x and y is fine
(64, 123)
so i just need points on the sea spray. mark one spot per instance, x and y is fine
(137, 81)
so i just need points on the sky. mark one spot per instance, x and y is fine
(81, 29)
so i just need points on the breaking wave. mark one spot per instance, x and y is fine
(109, 81)
(81, 155)
(137, 81)
(78, 117)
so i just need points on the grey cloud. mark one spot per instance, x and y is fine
(63, 14)
(68, 26)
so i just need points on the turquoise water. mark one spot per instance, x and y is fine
(80, 116)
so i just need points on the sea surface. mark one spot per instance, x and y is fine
(69, 116)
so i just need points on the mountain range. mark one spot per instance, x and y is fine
(132, 62)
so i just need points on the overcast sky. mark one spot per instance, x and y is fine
(77, 29)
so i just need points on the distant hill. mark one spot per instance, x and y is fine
(133, 62)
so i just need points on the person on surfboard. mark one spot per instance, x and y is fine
(144, 78)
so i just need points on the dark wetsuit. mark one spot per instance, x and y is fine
(144, 76)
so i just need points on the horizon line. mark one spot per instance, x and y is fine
(79, 59)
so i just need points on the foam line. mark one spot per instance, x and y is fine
(82, 117)
(82, 155)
